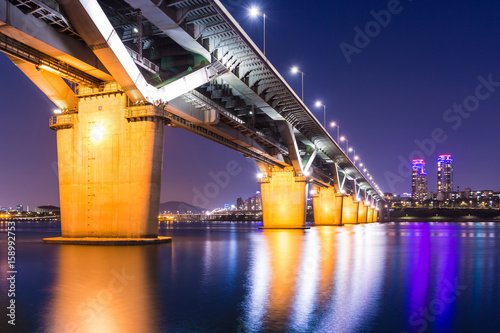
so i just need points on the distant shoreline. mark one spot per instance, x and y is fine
(445, 215)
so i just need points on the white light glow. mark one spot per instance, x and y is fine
(254, 11)
(97, 133)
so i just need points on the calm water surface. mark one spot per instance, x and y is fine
(232, 277)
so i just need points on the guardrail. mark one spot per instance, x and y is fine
(61, 121)
(142, 111)
(143, 62)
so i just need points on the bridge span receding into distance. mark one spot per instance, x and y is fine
(119, 71)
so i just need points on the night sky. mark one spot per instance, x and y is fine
(395, 91)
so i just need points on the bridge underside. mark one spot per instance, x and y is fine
(120, 70)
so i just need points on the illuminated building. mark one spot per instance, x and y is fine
(240, 204)
(257, 201)
(445, 173)
(418, 180)
(47, 209)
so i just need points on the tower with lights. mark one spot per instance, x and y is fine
(445, 173)
(418, 180)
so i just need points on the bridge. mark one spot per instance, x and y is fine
(120, 70)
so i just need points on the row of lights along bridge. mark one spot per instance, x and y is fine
(255, 12)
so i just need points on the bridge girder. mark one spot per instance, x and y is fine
(235, 61)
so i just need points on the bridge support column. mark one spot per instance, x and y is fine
(327, 206)
(283, 199)
(370, 215)
(375, 215)
(350, 210)
(362, 213)
(109, 171)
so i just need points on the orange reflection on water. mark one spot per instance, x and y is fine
(328, 247)
(285, 251)
(357, 280)
(103, 289)
(325, 279)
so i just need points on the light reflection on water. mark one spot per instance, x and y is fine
(231, 277)
(103, 289)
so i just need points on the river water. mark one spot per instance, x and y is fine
(232, 277)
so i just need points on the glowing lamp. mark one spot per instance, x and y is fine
(254, 11)
(97, 133)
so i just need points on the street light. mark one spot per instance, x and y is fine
(319, 104)
(334, 124)
(342, 138)
(254, 12)
(296, 70)
(352, 150)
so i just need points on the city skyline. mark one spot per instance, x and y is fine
(407, 66)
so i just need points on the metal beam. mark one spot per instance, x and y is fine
(287, 134)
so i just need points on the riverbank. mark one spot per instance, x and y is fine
(445, 215)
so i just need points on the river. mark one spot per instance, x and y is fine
(233, 277)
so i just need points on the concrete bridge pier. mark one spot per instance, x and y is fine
(362, 212)
(350, 210)
(283, 198)
(375, 215)
(369, 218)
(327, 204)
(110, 157)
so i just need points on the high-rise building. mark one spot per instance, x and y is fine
(248, 204)
(240, 204)
(418, 180)
(445, 173)
(19, 208)
(257, 201)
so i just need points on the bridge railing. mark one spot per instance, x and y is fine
(143, 62)
(142, 111)
(61, 121)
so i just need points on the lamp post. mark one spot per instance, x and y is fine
(351, 150)
(342, 138)
(296, 70)
(334, 124)
(319, 104)
(254, 12)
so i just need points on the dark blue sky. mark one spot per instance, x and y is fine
(395, 90)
